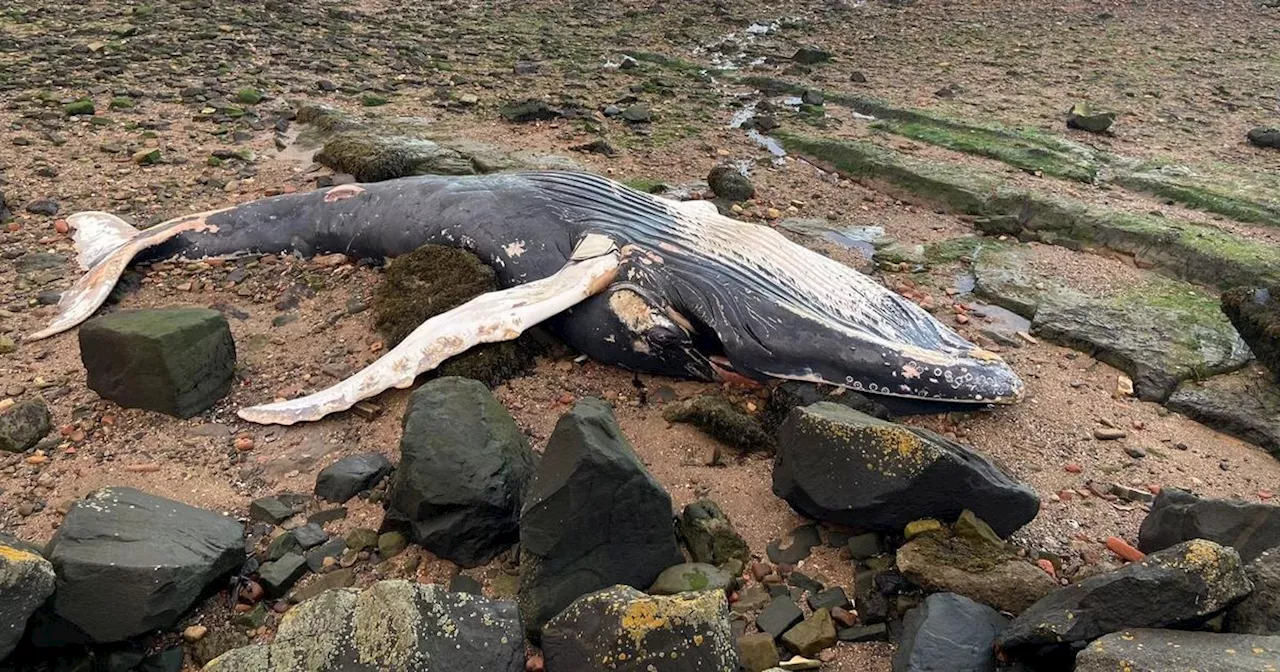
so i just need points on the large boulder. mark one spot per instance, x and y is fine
(1255, 312)
(949, 633)
(23, 424)
(1192, 580)
(26, 581)
(391, 625)
(709, 535)
(128, 562)
(1141, 650)
(1177, 516)
(594, 517)
(1259, 613)
(991, 574)
(624, 630)
(352, 475)
(464, 468)
(791, 394)
(842, 466)
(178, 361)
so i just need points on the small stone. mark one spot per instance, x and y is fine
(84, 106)
(691, 577)
(23, 425)
(329, 551)
(830, 599)
(1109, 433)
(390, 544)
(916, 528)
(278, 576)
(146, 157)
(362, 538)
(730, 184)
(637, 113)
(1085, 118)
(811, 56)
(866, 545)
(1264, 137)
(812, 97)
(780, 616)
(274, 510)
(194, 633)
(876, 632)
(1135, 452)
(757, 652)
(349, 476)
(857, 77)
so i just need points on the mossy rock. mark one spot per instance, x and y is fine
(434, 279)
(372, 158)
(723, 421)
(83, 106)
(249, 96)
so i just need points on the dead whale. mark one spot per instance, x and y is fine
(624, 277)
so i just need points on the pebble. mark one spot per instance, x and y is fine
(1135, 452)
(194, 633)
(1109, 433)
(1073, 468)
(244, 444)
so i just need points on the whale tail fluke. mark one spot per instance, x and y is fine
(98, 234)
(105, 244)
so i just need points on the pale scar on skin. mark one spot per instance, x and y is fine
(342, 192)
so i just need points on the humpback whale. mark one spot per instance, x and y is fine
(625, 277)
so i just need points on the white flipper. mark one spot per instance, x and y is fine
(488, 318)
(102, 245)
(97, 234)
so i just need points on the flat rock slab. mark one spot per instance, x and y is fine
(26, 581)
(23, 425)
(951, 632)
(1157, 347)
(1243, 404)
(1160, 333)
(593, 515)
(624, 630)
(1188, 581)
(1177, 516)
(464, 470)
(1144, 650)
(129, 562)
(178, 361)
(838, 465)
(391, 625)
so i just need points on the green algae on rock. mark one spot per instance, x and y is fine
(721, 420)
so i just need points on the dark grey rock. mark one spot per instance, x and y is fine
(26, 581)
(830, 598)
(865, 545)
(638, 113)
(803, 540)
(727, 183)
(278, 576)
(282, 545)
(461, 583)
(811, 56)
(275, 509)
(431, 627)
(1242, 404)
(128, 562)
(1264, 137)
(310, 535)
(23, 425)
(529, 110)
(951, 632)
(1141, 650)
(1192, 580)
(709, 534)
(793, 394)
(598, 631)
(178, 361)
(329, 549)
(841, 466)
(804, 582)
(350, 476)
(464, 468)
(1255, 313)
(780, 616)
(168, 660)
(1259, 613)
(1178, 516)
(875, 632)
(594, 517)
(44, 206)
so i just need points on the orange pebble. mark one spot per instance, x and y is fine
(1122, 548)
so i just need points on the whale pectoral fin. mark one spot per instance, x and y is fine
(488, 318)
